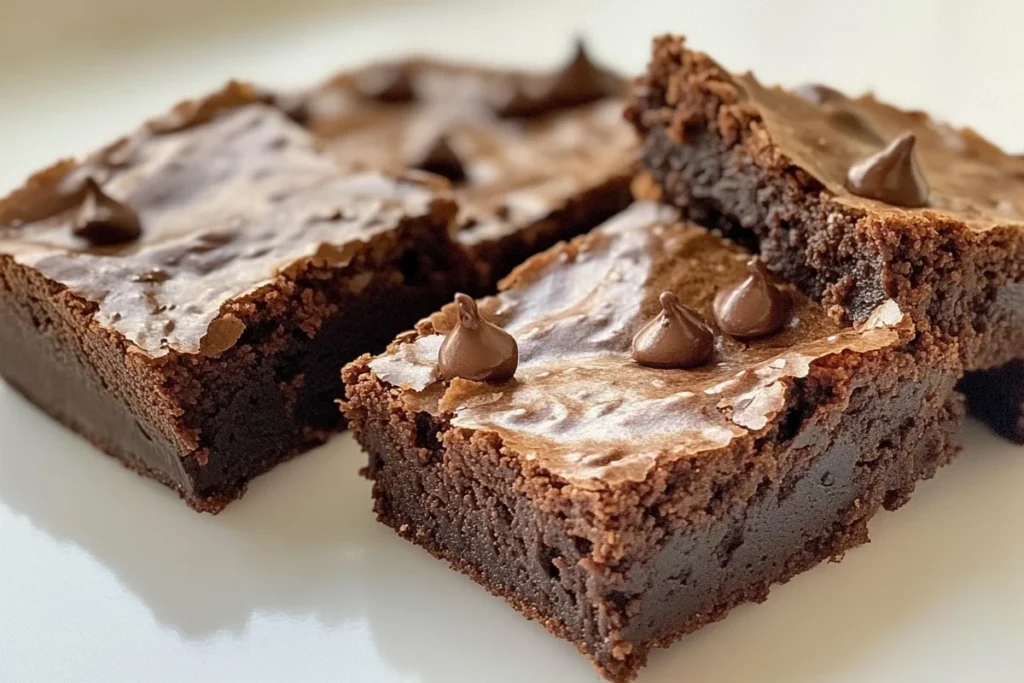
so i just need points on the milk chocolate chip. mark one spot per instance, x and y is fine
(104, 221)
(891, 175)
(434, 154)
(754, 308)
(476, 349)
(580, 81)
(676, 338)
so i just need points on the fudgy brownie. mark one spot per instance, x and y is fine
(622, 468)
(852, 199)
(185, 297)
(534, 158)
(997, 397)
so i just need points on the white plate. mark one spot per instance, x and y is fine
(107, 577)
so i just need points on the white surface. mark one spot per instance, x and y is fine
(107, 577)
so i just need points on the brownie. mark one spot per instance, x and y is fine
(534, 157)
(185, 297)
(852, 199)
(622, 501)
(996, 397)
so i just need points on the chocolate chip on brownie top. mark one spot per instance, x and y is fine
(579, 403)
(827, 133)
(226, 198)
(516, 145)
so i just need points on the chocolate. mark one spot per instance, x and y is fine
(386, 83)
(891, 175)
(228, 206)
(580, 81)
(104, 221)
(625, 506)
(476, 349)
(434, 154)
(755, 307)
(676, 338)
(521, 186)
(580, 403)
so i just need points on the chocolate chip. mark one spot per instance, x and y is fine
(891, 175)
(580, 81)
(104, 221)
(476, 349)
(676, 338)
(433, 153)
(386, 83)
(754, 308)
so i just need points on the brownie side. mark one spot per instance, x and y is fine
(620, 570)
(710, 153)
(206, 425)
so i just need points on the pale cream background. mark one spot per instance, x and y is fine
(106, 577)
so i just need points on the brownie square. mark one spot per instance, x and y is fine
(533, 157)
(184, 297)
(940, 231)
(623, 505)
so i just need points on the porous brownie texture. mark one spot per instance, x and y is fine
(767, 167)
(207, 351)
(599, 497)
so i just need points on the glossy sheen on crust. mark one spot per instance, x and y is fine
(519, 170)
(970, 179)
(767, 167)
(226, 204)
(579, 405)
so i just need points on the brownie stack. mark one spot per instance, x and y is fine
(708, 392)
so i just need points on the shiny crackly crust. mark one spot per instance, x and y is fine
(709, 152)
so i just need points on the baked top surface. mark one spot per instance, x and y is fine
(225, 207)
(519, 168)
(970, 179)
(579, 405)
(825, 132)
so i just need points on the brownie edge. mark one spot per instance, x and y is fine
(460, 497)
(202, 346)
(624, 506)
(721, 147)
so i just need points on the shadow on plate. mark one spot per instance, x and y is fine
(279, 549)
